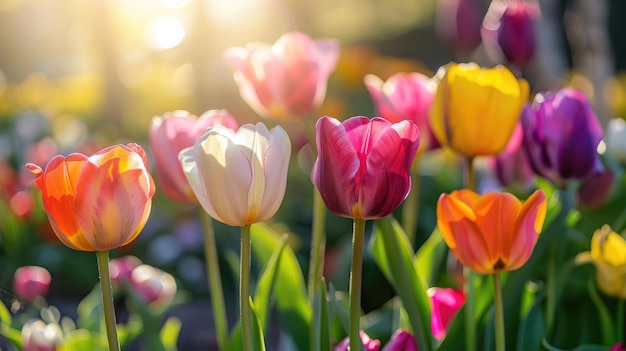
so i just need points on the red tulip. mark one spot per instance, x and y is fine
(363, 166)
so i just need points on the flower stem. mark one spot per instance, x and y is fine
(500, 341)
(244, 289)
(410, 209)
(318, 244)
(215, 281)
(620, 320)
(356, 274)
(107, 300)
(470, 301)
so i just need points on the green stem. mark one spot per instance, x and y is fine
(244, 289)
(470, 301)
(410, 209)
(215, 281)
(500, 335)
(620, 321)
(107, 300)
(551, 285)
(318, 244)
(356, 274)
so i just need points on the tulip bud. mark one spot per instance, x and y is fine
(30, 282)
(445, 303)
(155, 286)
(368, 343)
(561, 136)
(121, 268)
(401, 340)
(39, 336)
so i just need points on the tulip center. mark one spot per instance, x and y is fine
(499, 265)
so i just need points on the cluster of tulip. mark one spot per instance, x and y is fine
(365, 169)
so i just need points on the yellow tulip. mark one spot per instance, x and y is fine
(476, 109)
(608, 254)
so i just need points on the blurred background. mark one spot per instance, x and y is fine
(80, 75)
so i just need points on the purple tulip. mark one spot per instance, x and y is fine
(561, 136)
(363, 165)
(595, 189)
(458, 23)
(401, 340)
(511, 166)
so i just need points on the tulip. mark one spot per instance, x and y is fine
(39, 336)
(595, 189)
(476, 109)
(97, 203)
(239, 177)
(615, 139)
(363, 165)
(368, 343)
(286, 80)
(561, 136)
(509, 31)
(153, 285)
(512, 167)
(121, 269)
(30, 282)
(491, 233)
(608, 255)
(620, 346)
(405, 96)
(173, 132)
(401, 340)
(458, 23)
(445, 303)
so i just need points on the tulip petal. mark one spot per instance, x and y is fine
(528, 225)
(189, 166)
(275, 169)
(451, 209)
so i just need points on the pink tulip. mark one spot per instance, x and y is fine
(121, 268)
(620, 346)
(286, 80)
(401, 340)
(30, 282)
(172, 132)
(154, 286)
(38, 336)
(368, 343)
(445, 303)
(405, 96)
(363, 166)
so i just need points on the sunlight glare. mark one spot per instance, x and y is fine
(166, 32)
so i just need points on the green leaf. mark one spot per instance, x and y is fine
(82, 339)
(321, 327)
(291, 295)
(90, 312)
(257, 331)
(429, 257)
(266, 282)
(5, 315)
(532, 329)
(169, 333)
(339, 308)
(398, 262)
(608, 331)
(579, 348)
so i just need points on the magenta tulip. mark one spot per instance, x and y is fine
(286, 80)
(368, 343)
(405, 96)
(401, 340)
(445, 303)
(30, 282)
(172, 132)
(363, 166)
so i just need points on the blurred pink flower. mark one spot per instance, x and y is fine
(368, 343)
(405, 96)
(445, 303)
(286, 80)
(620, 346)
(458, 23)
(154, 286)
(121, 269)
(401, 340)
(39, 336)
(30, 282)
(172, 132)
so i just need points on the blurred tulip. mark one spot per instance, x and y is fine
(561, 136)
(509, 30)
(39, 336)
(30, 282)
(615, 139)
(608, 255)
(363, 166)
(239, 177)
(173, 132)
(476, 109)
(401, 340)
(97, 203)
(618, 347)
(368, 343)
(490, 233)
(512, 167)
(153, 285)
(121, 269)
(458, 23)
(405, 96)
(595, 189)
(286, 80)
(445, 303)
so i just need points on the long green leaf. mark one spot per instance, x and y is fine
(291, 295)
(579, 348)
(405, 279)
(265, 285)
(606, 323)
(321, 327)
(429, 257)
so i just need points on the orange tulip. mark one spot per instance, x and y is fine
(97, 203)
(491, 233)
